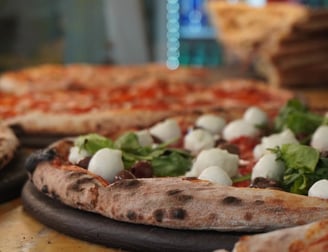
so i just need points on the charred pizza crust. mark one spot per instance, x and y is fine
(104, 122)
(177, 203)
(8, 145)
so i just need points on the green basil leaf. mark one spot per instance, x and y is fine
(300, 185)
(93, 142)
(127, 141)
(304, 167)
(297, 117)
(302, 157)
(171, 164)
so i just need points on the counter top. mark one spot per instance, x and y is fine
(20, 232)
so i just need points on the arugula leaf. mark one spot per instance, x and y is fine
(297, 117)
(93, 142)
(171, 164)
(127, 141)
(304, 167)
(300, 157)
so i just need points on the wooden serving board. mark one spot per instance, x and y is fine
(13, 177)
(104, 231)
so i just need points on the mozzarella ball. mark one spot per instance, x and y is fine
(255, 116)
(144, 138)
(217, 175)
(269, 167)
(274, 140)
(106, 163)
(166, 131)
(319, 139)
(216, 157)
(258, 151)
(76, 154)
(239, 128)
(198, 139)
(211, 123)
(319, 189)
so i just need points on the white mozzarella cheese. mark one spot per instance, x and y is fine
(192, 173)
(274, 140)
(197, 140)
(238, 128)
(319, 189)
(144, 138)
(255, 116)
(211, 123)
(106, 163)
(166, 131)
(320, 138)
(258, 151)
(269, 167)
(217, 175)
(216, 157)
(76, 154)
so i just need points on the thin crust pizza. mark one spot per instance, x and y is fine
(50, 77)
(311, 237)
(166, 177)
(108, 110)
(176, 202)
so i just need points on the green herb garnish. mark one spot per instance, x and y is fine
(304, 167)
(297, 117)
(93, 142)
(165, 161)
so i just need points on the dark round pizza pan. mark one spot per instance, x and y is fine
(101, 230)
(13, 177)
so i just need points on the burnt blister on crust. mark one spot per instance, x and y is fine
(78, 185)
(44, 189)
(131, 215)
(128, 183)
(231, 200)
(177, 213)
(159, 215)
(37, 157)
(4, 159)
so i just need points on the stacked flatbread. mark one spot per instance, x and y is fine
(286, 43)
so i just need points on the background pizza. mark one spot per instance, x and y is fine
(75, 99)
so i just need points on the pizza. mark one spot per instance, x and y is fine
(8, 145)
(50, 77)
(166, 175)
(311, 237)
(59, 104)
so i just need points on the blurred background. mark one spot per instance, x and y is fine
(175, 32)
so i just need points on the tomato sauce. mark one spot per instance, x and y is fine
(246, 146)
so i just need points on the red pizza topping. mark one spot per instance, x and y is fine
(246, 146)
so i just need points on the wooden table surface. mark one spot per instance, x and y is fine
(20, 232)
